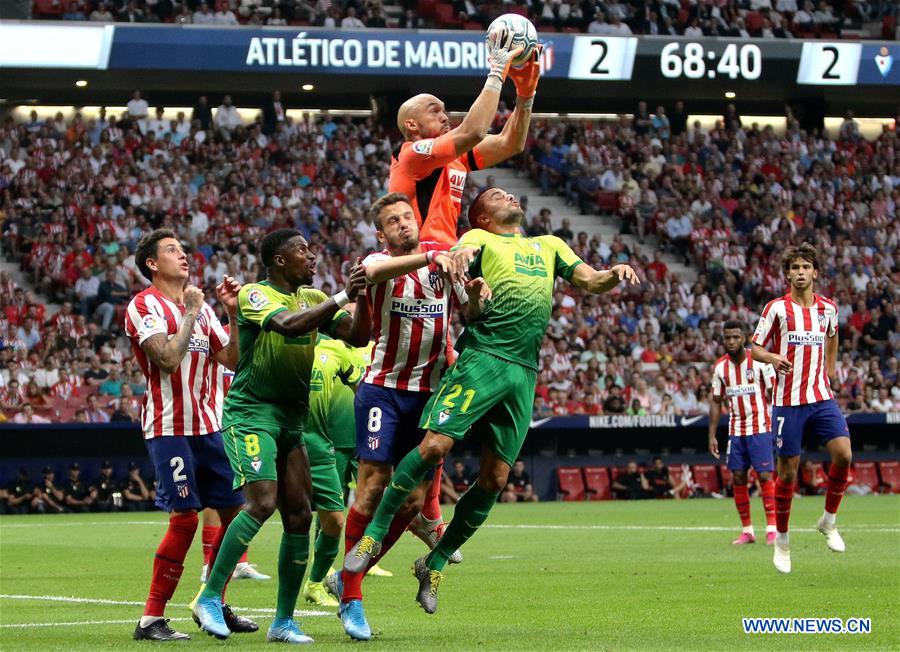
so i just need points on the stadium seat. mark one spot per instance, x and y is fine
(706, 476)
(597, 483)
(571, 483)
(888, 25)
(425, 8)
(754, 22)
(890, 475)
(867, 475)
(607, 202)
(445, 15)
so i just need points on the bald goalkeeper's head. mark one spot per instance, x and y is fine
(422, 116)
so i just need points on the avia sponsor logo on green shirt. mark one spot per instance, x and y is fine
(316, 380)
(530, 265)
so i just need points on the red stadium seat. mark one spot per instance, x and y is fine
(425, 8)
(754, 21)
(607, 202)
(706, 476)
(597, 483)
(867, 475)
(445, 15)
(890, 475)
(571, 483)
(47, 9)
(888, 26)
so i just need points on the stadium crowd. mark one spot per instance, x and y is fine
(76, 196)
(735, 18)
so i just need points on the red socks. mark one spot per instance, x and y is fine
(353, 532)
(767, 491)
(432, 507)
(742, 502)
(208, 535)
(837, 482)
(784, 494)
(168, 564)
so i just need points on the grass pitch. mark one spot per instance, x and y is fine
(595, 576)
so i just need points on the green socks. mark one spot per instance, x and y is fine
(234, 544)
(408, 475)
(326, 551)
(292, 559)
(471, 511)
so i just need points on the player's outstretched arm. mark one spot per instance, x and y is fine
(472, 130)
(166, 353)
(601, 281)
(395, 266)
(715, 411)
(511, 140)
(301, 322)
(356, 331)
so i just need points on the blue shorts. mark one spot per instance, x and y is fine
(750, 450)
(387, 422)
(192, 473)
(823, 419)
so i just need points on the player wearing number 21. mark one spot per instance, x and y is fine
(176, 337)
(265, 414)
(489, 391)
(800, 328)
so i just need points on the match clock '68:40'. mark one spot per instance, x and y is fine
(692, 60)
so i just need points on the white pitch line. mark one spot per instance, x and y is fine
(133, 603)
(673, 528)
(82, 622)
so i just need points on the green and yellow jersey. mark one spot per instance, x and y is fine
(337, 369)
(521, 272)
(272, 381)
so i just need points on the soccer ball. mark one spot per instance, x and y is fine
(519, 33)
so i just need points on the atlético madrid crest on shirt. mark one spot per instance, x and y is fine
(750, 375)
(821, 320)
(374, 441)
(436, 282)
(184, 490)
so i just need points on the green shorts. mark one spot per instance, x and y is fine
(492, 396)
(330, 470)
(254, 450)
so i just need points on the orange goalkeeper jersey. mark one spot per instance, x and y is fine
(430, 173)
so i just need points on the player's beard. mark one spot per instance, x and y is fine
(512, 216)
(403, 246)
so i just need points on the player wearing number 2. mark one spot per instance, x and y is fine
(489, 391)
(176, 338)
(801, 329)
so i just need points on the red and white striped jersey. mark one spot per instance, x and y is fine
(220, 379)
(746, 387)
(411, 320)
(799, 334)
(176, 404)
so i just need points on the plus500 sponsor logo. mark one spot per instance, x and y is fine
(740, 390)
(805, 338)
(417, 308)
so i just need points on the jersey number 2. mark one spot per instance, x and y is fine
(177, 465)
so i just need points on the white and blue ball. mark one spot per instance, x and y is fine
(520, 32)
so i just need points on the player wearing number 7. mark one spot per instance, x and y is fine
(489, 391)
(801, 330)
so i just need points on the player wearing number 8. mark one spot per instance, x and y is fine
(490, 389)
(265, 413)
(411, 291)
